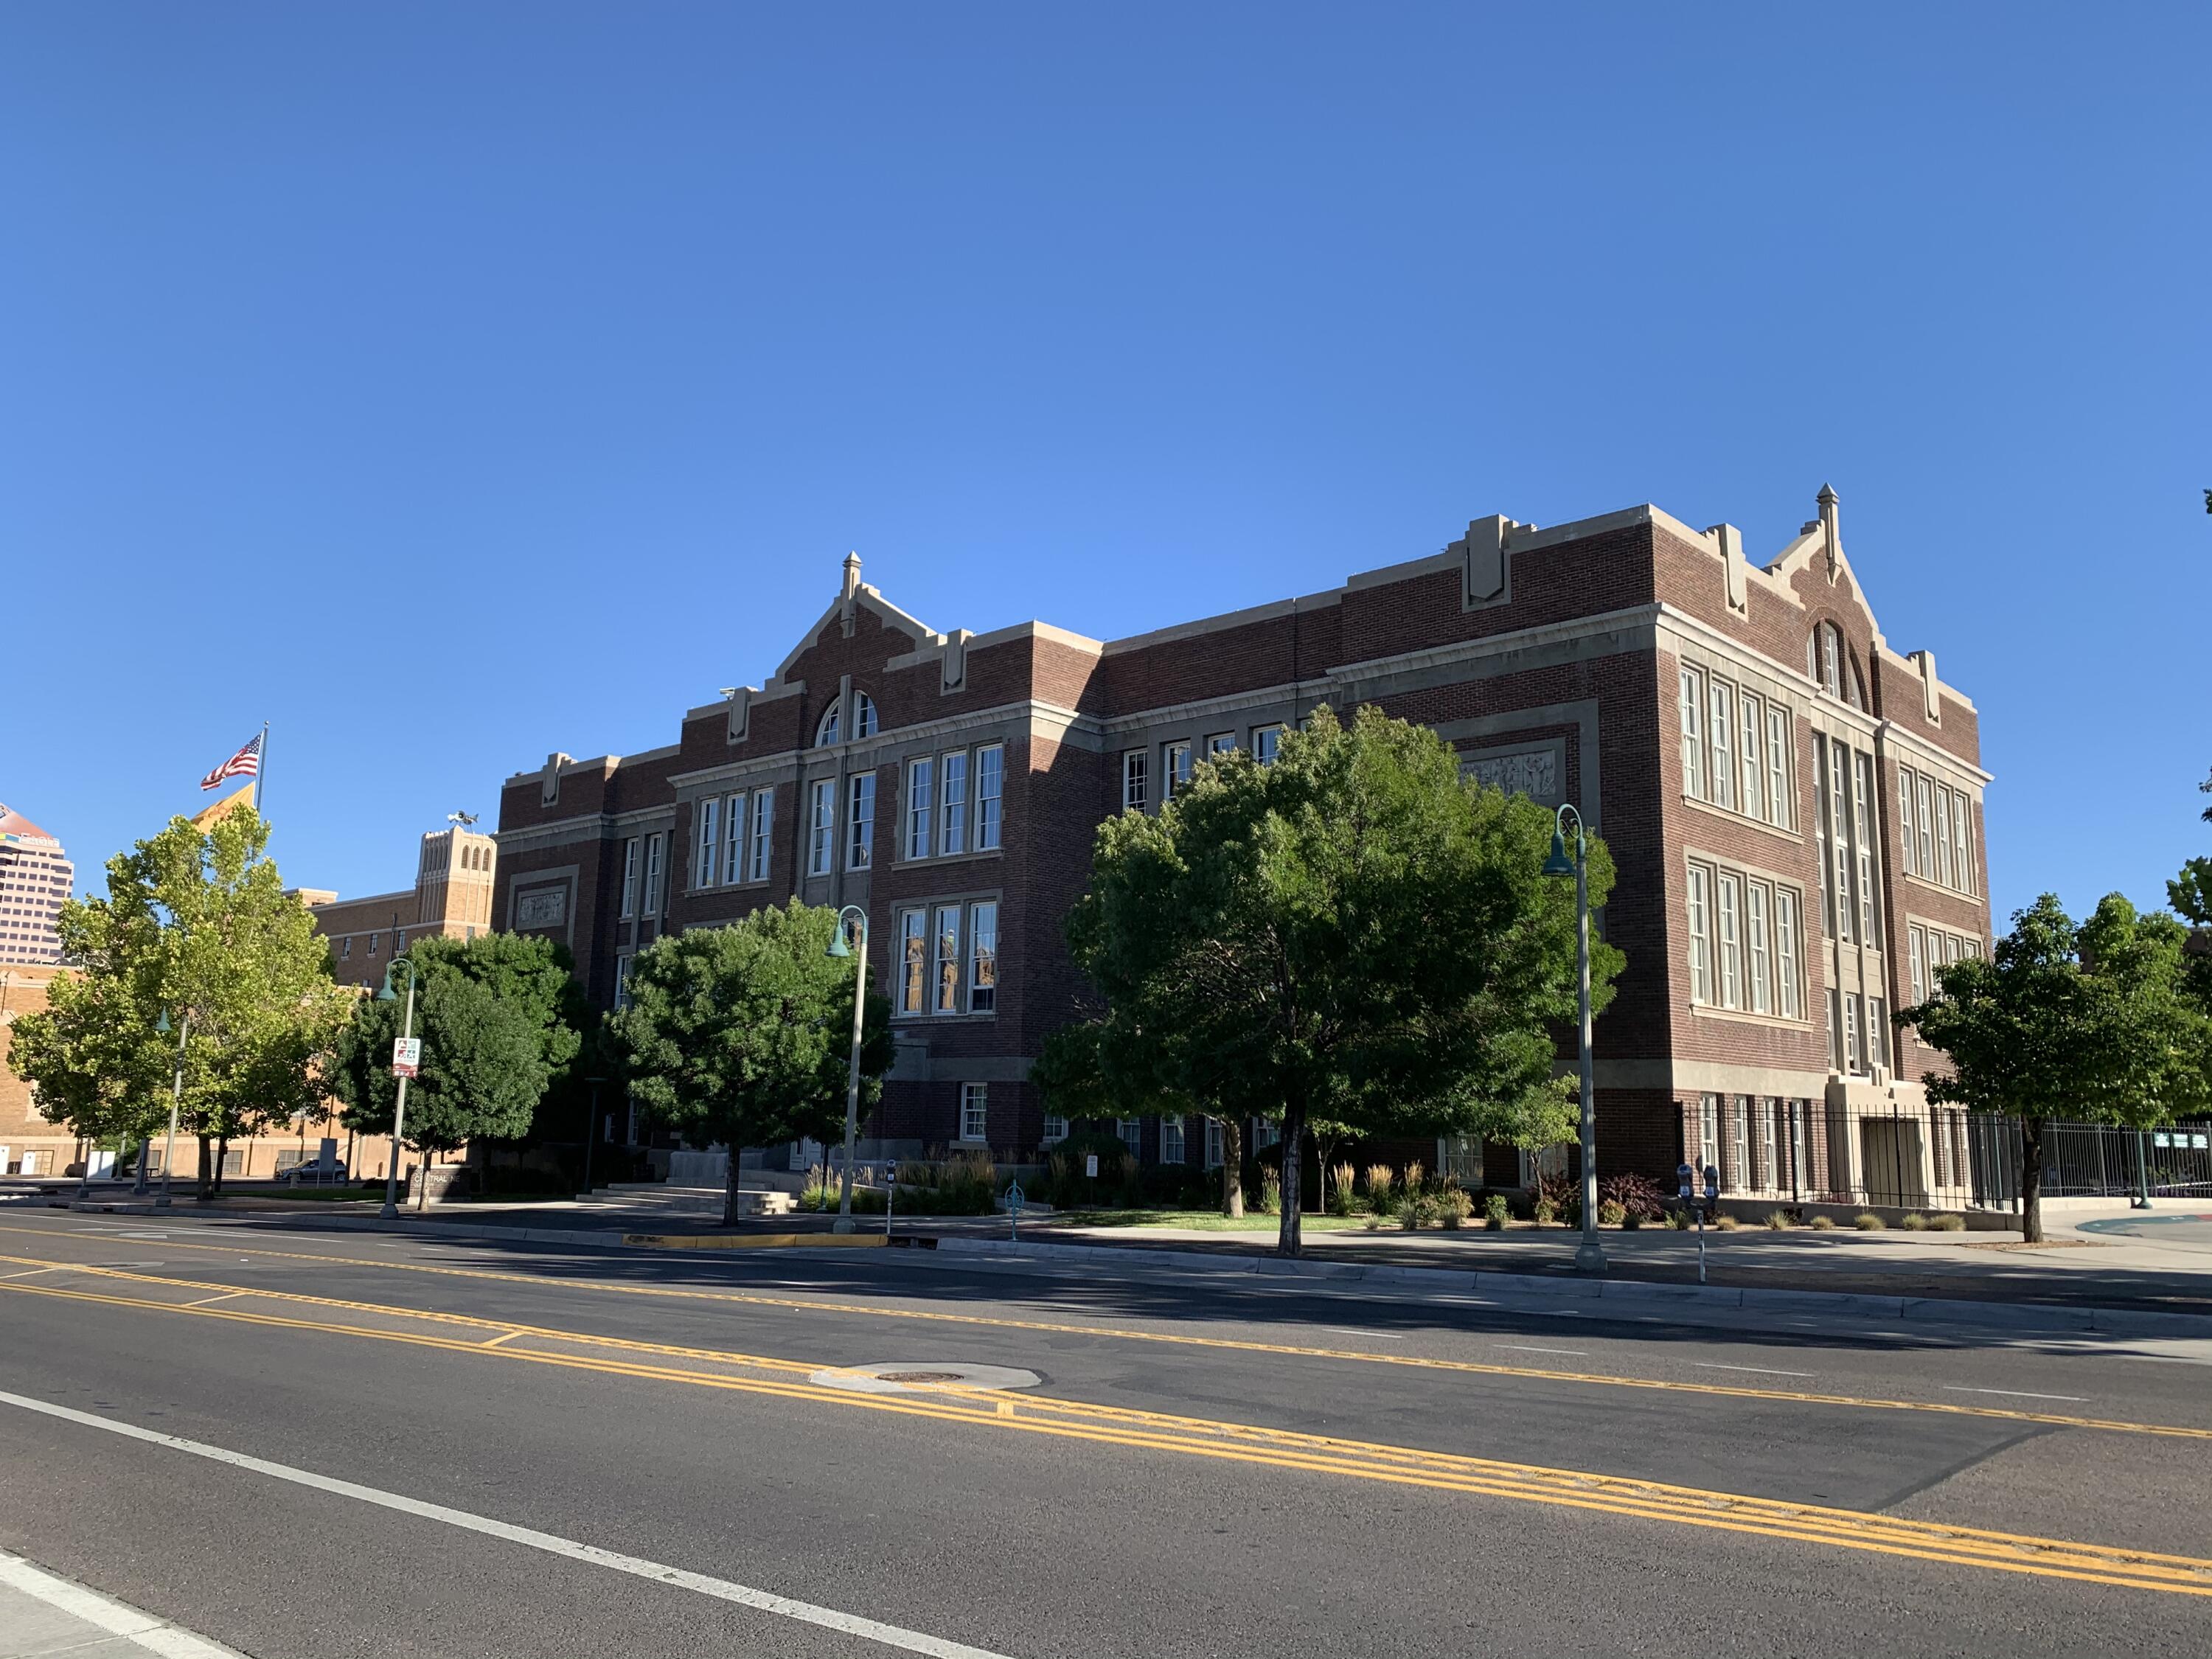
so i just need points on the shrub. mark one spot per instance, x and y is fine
(1826, 1224)
(1948, 1224)
(1630, 1221)
(1494, 1211)
(1413, 1210)
(1378, 1185)
(1374, 1221)
(1914, 1222)
(1455, 1209)
(1415, 1177)
(1635, 1195)
(1340, 1196)
(1546, 1210)
(1680, 1219)
(1570, 1213)
(1727, 1223)
(1610, 1212)
(1270, 1201)
(1867, 1222)
(1777, 1221)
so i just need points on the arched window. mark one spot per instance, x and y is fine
(1824, 660)
(864, 716)
(826, 733)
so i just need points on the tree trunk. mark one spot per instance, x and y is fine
(206, 1178)
(1232, 1167)
(222, 1156)
(1288, 1240)
(730, 1190)
(2031, 1180)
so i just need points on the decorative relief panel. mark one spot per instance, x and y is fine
(544, 907)
(1533, 772)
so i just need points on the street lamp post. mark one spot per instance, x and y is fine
(176, 1094)
(839, 948)
(391, 1212)
(1589, 1255)
(590, 1132)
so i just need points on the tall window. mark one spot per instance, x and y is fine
(1781, 802)
(822, 832)
(1863, 839)
(1723, 764)
(622, 982)
(1174, 775)
(733, 859)
(1221, 743)
(1755, 931)
(1267, 744)
(1132, 1131)
(1701, 945)
(1171, 1144)
(1752, 773)
(1839, 835)
(921, 806)
(1905, 835)
(861, 821)
(826, 733)
(1831, 656)
(629, 879)
(914, 961)
(764, 831)
(1851, 1032)
(1739, 1163)
(990, 788)
(955, 827)
(1770, 1148)
(1788, 950)
(1925, 822)
(982, 957)
(1821, 832)
(653, 875)
(948, 960)
(1693, 746)
(1962, 845)
(1709, 1131)
(974, 1111)
(1877, 1032)
(864, 716)
(1731, 953)
(710, 841)
(1213, 1143)
(1917, 950)
(1136, 779)
(1943, 836)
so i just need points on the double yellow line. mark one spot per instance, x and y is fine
(1245, 1443)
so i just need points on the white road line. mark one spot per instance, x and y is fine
(2014, 1394)
(1523, 1347)
(155, 1635)
(721, 1589)
(1348, 1330)
(1761, 1371)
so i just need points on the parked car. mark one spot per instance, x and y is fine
(314, 1174)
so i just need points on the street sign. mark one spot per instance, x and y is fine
(1091, 1165)
(406, 1056)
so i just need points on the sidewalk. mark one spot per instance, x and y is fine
(42, 1613)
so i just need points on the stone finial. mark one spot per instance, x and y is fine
(1830, 533)
(1482, 561)
(549, 789)
(741, 707)
(851, 576)
(1734, 570)
(954, 661)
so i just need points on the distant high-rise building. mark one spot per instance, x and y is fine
(35, 877)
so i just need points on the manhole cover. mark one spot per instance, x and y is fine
(910, 1377)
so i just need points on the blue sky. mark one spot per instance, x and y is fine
(451, 383)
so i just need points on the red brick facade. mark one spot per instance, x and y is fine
(1553, 659)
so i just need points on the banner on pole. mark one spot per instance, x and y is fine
(406, 1056)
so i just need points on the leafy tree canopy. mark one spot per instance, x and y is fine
(742, 1035)
(1353, 934)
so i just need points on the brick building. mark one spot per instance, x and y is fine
(450, 898)
(1795, 810)
(35, 877)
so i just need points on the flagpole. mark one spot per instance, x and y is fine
(261, 772)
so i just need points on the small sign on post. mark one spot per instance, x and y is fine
(406, 1056)
(1091, 1166)
(1014, 1197)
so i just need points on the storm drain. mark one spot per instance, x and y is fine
(914, 1376)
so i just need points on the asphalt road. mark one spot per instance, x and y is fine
(1201, 1468)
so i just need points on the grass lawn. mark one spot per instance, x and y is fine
(1211, 1221)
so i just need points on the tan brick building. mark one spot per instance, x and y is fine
(454, 870)
(1794, 810)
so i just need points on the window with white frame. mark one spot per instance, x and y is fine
(1746, 946)
(1754, 774)
(1136, 779)
(953, 831)
(1055, 1128)
(733, 857)
(622, 980)
(990, 792)
(974, 1111)
(629, 879)
(1908, 845)
(653, 844)
(825, 734)
(1717, 728)
(1851, 1063)
(1916, 950)
(764, 831)
(914, 961)
(710, 843)
(1770, 1144)
(1174, 775)
(1267, 744)
(1781, 798)
(1214, 1140)
(921, 806)
(1936, 826)
(347, 953)
(1691, 704)
(947, 997)
(1701, 940)
(822, 831)
(861, 821)
(982, 957)
(1132, 1131)
(1738, 1172)
(864, 716)
(1863, 840)
(1877, 1032)
(1924, 821)
(1218, 744)
(1171, 1144)
(1709, 1131)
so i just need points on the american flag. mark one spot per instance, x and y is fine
(245, 764)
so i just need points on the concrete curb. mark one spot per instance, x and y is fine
(1645, 1295)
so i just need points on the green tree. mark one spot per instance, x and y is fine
(742, 1036)
(2090, 1023)
(1353, 934)
(195, 924)
(498, 1017)
(2190, 893)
